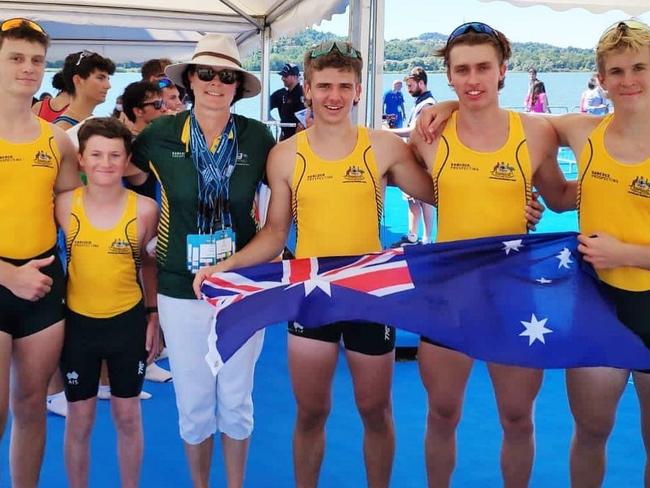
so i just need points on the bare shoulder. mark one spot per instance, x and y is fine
(147, 207)
(62, 139)
(282, 158)
(383, 139)
(63, 199)
(62, 208)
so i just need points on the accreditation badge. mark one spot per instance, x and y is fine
(208, 249)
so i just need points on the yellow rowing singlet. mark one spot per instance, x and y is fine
(28, 172)
(481, 194)
(102, 264)
(614, 197)
(337, 205)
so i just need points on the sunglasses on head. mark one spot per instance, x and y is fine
(18, 21)
(164, 83)
(157, 104)
(83, 54)
(631, 24)
(344, 48)
(226, 76)
(478, 27)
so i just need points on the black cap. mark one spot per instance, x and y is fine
(289, 69)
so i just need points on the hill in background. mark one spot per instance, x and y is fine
(402, 54)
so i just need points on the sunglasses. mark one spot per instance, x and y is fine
(157, 104)
(631, 24)
(164, 83)
(18, 21)
(344, 48)
(83, 54)
(226, 76)
(478, 27)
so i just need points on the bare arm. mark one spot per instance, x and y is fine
(432, 119)
(559, 194)
(270, 240)
(68, 177)
(148, 222)
(397, 161)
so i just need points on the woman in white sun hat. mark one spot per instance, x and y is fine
(209, 163)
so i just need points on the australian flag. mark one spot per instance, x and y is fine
(526, 300)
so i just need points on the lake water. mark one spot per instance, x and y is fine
(563, 90)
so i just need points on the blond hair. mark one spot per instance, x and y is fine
(619, 38)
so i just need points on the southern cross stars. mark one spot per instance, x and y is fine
(512, 246)
(535, 330)
(565, 258)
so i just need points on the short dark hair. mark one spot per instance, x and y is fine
(191, 68)
(154, 67)
(472, 38)
(24, 31)
(58, 83)
(108, 127)
(418, 74)
(83, 63)
(136, 93)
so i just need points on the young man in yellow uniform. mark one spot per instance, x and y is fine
(330, 179)
(37, 160)
(107, 228)
(484, 165)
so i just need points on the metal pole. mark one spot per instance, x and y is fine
(265, 68)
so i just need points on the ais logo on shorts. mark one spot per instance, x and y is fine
(119, 246)
(354, 174)
(640, 186)
(503, 171)
(43, 160)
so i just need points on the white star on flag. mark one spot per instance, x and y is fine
(543, 281)
(512, 246)
(565, 258)
(535, 330)
(313, 284)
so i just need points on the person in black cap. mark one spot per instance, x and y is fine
(289, 100)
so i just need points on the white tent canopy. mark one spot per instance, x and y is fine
(630, 7)
(126, 23)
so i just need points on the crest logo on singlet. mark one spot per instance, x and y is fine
(43, 160)
(640, 186)
(503, 171)
(119, 246)
(354, 174)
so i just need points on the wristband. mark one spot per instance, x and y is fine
(149, 310)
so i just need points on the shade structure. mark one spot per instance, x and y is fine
(122, 29)
(630, 7)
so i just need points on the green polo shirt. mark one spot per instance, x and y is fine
(161, 148)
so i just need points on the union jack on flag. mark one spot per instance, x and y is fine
(526, 300)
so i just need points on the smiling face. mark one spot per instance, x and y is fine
(475, 72)
(22, 65)
(626, 77)
(212, 94)
(332, 93)
(104, 160)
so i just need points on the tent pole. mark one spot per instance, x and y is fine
(265, 70)
(359, 36)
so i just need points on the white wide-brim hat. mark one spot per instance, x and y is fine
(217, 51)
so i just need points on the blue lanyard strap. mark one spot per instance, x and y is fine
(214, 171)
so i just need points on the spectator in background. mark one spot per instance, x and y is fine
(171, 96)
(536, 101)
(289, 100)
(142, 103)
(394, 105)
(532, 83)
(594, 100)
(50, 108)
(154, 69)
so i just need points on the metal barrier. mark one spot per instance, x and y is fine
(276, 125)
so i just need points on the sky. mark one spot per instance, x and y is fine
(409, 18)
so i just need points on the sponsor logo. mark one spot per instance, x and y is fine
(458, 166)
(43, 160)
(242, 159)
(601, 175)
(318, 177)
(178, 154)
(503, 171)
(9, 158)
(85, 244)
(119, 246)
(73, 378)
(640, 186)
(354, 174)
(140, 368)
